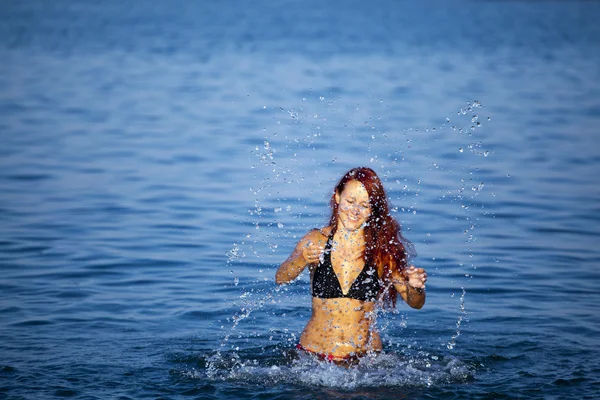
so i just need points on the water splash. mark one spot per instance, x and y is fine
(251, 302)
(288, 157)
(423, 370)
(461, 317)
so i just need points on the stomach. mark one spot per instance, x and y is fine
(341, 327)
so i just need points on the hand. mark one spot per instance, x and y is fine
(416, 277)
(312, 252)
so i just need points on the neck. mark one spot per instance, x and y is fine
(350, 234)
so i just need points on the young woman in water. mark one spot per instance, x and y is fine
(356, 263)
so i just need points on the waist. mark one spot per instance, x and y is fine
(342, 307)
(341, 327)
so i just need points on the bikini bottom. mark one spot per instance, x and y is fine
(339, 360)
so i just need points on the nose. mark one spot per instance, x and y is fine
(356, 209)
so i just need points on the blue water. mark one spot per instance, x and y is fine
(158, 160)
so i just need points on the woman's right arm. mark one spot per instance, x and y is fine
(307, 251)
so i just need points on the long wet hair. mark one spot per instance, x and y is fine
(384, 245)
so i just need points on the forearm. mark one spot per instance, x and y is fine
(290, 269)
(414, 297)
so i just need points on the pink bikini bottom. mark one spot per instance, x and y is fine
(330, 357)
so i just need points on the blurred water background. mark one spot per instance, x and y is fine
(158, 160)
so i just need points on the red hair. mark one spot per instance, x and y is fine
(384, 242)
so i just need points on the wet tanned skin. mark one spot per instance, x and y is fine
(340, 327)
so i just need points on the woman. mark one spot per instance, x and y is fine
(357, 262)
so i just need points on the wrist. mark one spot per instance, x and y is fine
(408, 286)
(416, 289)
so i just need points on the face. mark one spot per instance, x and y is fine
(354, 208)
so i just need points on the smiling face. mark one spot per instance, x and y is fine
(354, 207)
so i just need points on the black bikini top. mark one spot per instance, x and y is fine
(325, 283)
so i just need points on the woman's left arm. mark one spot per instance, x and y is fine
(411, 286)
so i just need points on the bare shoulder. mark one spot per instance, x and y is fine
(316, 235)
(325, 231)
(321, 233)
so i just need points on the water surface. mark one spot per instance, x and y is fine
(159, 162)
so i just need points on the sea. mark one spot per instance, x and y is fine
(159, 160)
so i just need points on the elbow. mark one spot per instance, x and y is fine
(279, 279)
(420, 303)
(418, 306)
(417, 303)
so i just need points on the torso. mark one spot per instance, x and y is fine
(341, 325)
(342, 272)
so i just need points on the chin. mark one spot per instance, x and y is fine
(353, 225)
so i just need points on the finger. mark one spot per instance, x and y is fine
(308, 255)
